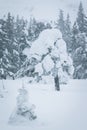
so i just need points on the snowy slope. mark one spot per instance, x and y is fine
(64, 110)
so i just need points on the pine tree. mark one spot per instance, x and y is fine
(79, 52)
(10, 27)
(2, 45)
(80, 57)
(61, 22)
(74, 37)
(81, 18)
(3, 48)
(68, 23)
(9, 59)
(20, 39)
(11, 47)
(32, 30)
(68, 34)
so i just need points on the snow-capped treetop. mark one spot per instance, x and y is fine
(45, 41)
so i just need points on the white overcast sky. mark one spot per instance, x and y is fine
(41, 9)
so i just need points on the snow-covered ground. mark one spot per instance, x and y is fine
(64, 110)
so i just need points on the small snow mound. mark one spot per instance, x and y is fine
(24, 110)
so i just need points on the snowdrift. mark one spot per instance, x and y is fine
(64, 110)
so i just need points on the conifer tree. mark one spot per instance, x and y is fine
(3, 47)
(11, 47)
(20, 38)
(61, 22)
(32, 30)
(67, 35)
(74, 37)
(79, 53)
(81, 18)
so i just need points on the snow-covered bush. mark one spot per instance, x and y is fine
(24, 110)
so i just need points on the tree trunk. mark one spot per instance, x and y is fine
(56, 80)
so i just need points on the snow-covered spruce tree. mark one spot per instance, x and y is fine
(9, 58)
(79, 43)
(68, 33)
(12, 56)
(24, 110)
(64, 25)
(3, 48)
(75, 32)
(20, 39)
(13, 39)
(80, 57)
(81, 18)
(60, 22)
(32, 29)
(47, 49)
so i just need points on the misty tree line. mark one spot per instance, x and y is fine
(76, 39)
(16, 34)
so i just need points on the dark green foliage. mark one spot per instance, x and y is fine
(64, 25)
(68, 34)
(81, 18)
(76, 40)
(61, 22)
(15, 36)
(35, 28)
(79, 45)
(10, 53)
